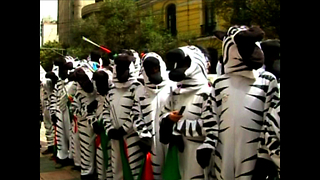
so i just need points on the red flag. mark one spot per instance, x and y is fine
(105, 49)
(98, 141)
(148, 172)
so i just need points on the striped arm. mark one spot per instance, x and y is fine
(272, 96)
(210, 124)
(271, 129)
(144, 129)
(106, 118)
(53, 102)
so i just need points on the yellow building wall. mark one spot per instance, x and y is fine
(189, 18)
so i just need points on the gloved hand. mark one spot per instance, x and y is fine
(165, 130)
(54, 119)
(97, 128)
(92, 106)
(204, 157)
(145, 144)
(116, 133)
(178, 141)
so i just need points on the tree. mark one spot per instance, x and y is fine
(121, 25)
(264, 13)
(48, 54)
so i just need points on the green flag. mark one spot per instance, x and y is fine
(170, 169)
(127, 174)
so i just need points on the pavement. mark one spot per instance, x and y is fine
(47, 169)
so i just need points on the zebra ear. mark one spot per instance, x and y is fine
(219, 34)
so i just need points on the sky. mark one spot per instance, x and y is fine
(48, 7)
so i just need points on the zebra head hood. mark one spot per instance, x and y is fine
(241, 50)
(190, 68)
(271, 51)
(101, 81)
(65, 64)
(124, 72)
(154, 81)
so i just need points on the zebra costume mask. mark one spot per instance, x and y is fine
(190, 69)
(241, 50)
(242, 97)
(154, 72)
(124, 71)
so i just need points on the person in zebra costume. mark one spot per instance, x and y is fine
(84, 95)
(194, 131)
(118, 125)
(149, 100)
(46, 90)
(59, 112)
(102, 84)
(242, 97)
(271, 51)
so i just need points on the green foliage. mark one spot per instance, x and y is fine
(48, 55)
(264, 13)
(120, 25)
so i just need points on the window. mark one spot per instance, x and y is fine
(171, 19)
(209, 21)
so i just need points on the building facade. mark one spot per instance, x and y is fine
(48, 30)
(68, 12)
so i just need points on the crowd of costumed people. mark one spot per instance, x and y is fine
(187, 115)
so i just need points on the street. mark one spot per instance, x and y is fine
(47, 169)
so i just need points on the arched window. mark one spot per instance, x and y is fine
(171, 19)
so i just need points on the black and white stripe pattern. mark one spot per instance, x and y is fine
(121, 97)
(86, 134)
(46, 91)
(58, 106)
(242, 99)
(198, 125)
(270, 136)
(150, 99)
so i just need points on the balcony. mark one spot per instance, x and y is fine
(91, 8)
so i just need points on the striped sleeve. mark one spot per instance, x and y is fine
(53, 101)
(139, 123)
(105, 116)
(271, 129)
(272, 96)
(127, 125)
(210, 124)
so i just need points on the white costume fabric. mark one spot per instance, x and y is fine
(149, 99)
(197, 126)
(102, 165)
(46, 90)
(242, 98)
(121, 97)
(59, 108)
(86, 135)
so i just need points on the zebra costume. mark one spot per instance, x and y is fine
(149, 100)
(242, 98)
(84, 95)
(197, 126)
(96, 122)
(270, 136)
(59, 110)
(121, 97)
(46, 90)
